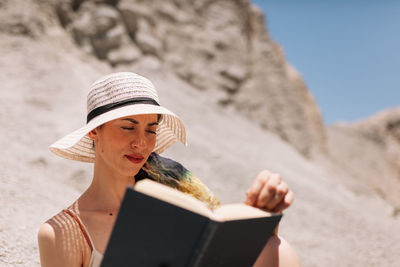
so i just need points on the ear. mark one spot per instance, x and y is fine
(93, 134)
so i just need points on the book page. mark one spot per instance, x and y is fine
(172, 196)
(239, 211)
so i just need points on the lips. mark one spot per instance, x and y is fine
(135, 158)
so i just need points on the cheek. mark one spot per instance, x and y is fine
(151, 142)
(112, 142)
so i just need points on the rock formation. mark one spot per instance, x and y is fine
(374, 157)
(220, 46)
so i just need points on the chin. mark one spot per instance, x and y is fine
(134, 171)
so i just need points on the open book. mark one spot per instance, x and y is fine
(160, 226)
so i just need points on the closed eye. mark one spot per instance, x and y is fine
(127, 128)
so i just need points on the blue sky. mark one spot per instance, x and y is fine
(348, 52)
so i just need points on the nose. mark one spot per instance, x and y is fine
(138, 141)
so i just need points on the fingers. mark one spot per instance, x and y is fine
(269, 192)
(254, 190)
(285, 203)
(268, 196)
(281, 191)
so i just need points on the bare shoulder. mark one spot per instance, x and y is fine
(46, 235)
(60, 242)
(57, 226)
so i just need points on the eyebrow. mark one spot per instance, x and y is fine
(136, 122)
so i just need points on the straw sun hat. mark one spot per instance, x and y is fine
(115, 96)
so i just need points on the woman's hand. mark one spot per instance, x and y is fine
(268, 192)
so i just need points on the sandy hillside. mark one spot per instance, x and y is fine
(44, 79)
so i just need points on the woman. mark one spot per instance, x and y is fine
(126, 130)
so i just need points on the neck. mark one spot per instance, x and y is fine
(106, 191)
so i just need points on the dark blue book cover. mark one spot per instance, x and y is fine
(151, 232)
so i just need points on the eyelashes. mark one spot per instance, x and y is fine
(133, 128)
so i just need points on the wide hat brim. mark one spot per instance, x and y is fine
(78, 146)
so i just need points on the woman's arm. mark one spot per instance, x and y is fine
(268, 192)
(277, 252)
(56, 250)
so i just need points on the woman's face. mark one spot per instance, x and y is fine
(123, 145)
